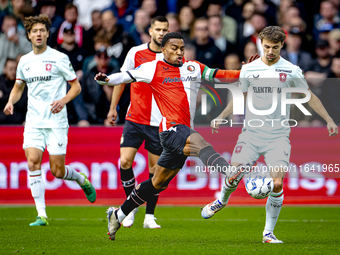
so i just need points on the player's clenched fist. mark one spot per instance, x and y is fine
(9, 109)
(101, 78)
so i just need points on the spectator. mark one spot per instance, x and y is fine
(7, 80)
(249, 50)
(259, 22)
(12, 44)
(199, 7)
(150, 6)
(88, 44)
(94, 100)
(232, 62)
(229, 25)
(72, 50)
(215, 32)
(293, 52)
(121, 42)
(86, 9)
(320, 67)
(292, 12)
(190, 52)
(324, 31)
(328, 15)
(124, 10)
(71, 17)
(186, 20)
(331, 90)
(49, 8)
(245, 28)
(282, 10)
(173, 22)
(334, 41)
(267, 9)
(234, 9)
(140, 29)
(21, 9)
(5, 9)
(206, 51)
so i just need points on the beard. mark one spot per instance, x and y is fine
(156, 42)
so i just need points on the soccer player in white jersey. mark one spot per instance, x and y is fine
(263, 76)
(142, 119)
(46, 73)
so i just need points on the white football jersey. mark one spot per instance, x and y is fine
(45, 75)
(263, 83)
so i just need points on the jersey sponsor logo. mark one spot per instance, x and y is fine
(48, 67)
(179, 79)
(238, 149)
(283, 71)
(191, 68)
(49, 61)
(283, 77)
(39, 78)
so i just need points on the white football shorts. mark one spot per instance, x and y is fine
(54, 138)
(276, 152)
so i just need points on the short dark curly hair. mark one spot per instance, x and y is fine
(32, 20)
(169, 36)
(273, 33)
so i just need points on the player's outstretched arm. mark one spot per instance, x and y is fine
(74, 91)
(113, 79)
(14, 97)
(318, 107)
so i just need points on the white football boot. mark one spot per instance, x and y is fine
(149, 221)
(130, 218)
(270, 238)
(210, 209)
(113, 222)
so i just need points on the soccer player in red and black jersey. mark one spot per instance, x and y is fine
(142, 119)
(174, 84)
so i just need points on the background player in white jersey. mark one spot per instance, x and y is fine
(46, 71)
(272, 139)
(142, 119)
(175, 86)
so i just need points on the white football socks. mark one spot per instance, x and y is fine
(226, 192)
(273, 208)
(72, 175)
(38, 191)
(120, 215)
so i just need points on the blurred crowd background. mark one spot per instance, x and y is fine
(96, 35)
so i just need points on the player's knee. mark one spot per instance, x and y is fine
(57, 171)
(125, 163)
(33, 164)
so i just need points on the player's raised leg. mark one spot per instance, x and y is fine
(127, 177)
(139, 196)
(34, 158)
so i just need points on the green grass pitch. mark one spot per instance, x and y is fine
(234, 230)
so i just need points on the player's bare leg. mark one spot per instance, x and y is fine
(67, 172)
(149, 220)
(34, 158)
(273, 206)
(127, 177)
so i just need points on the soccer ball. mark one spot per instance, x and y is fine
(258, 185)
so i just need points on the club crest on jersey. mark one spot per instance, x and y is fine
(283, 77)
(191, 68)
(48, 67)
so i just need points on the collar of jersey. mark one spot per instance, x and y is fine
(175, 65)
(153, 50)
